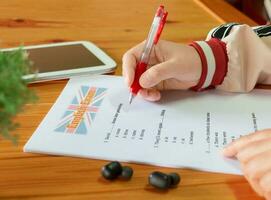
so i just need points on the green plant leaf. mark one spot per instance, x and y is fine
(14, 92)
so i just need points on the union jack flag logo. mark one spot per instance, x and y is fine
(82, 110)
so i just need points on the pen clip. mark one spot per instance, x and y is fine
(161, 26)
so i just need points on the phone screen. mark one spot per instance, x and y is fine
(65, 57)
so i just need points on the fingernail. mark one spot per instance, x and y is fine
(224, 151)
(227, 151)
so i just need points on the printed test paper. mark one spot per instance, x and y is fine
(92, 118)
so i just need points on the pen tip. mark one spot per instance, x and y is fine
(131, 97)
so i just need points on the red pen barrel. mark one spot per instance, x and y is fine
(153, 37)
(140, 69)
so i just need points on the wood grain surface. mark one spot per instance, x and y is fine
(224, 12)
(115, 26)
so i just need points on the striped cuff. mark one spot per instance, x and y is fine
(214, 62)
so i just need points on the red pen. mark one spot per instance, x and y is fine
(153, 37)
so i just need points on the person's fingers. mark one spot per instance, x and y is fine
(257, 166)
(253, 149)
(150, 94)
(255, 186)
(128, 67)
(265, 183)
(233, 148)
(129, 61)
(254, 183)
(157, 73)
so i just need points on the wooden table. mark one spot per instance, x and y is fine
(115, 26)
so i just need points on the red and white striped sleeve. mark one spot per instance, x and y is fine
(235, 58)
(214, 63)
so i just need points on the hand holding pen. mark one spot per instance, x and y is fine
(169, 66)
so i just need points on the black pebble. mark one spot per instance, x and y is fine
(164, 181)
(127, 173)
(175, 179)
(112, 170)
(159, 180)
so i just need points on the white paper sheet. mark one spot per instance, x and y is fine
(92, 118)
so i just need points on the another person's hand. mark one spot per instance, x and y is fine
(172, 66)
(254, 153)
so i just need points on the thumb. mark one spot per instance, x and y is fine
(156, 74)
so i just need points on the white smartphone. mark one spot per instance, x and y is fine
(63, 60)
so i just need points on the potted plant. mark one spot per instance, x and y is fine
(14, 92)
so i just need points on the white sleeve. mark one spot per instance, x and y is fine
(249, 56)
